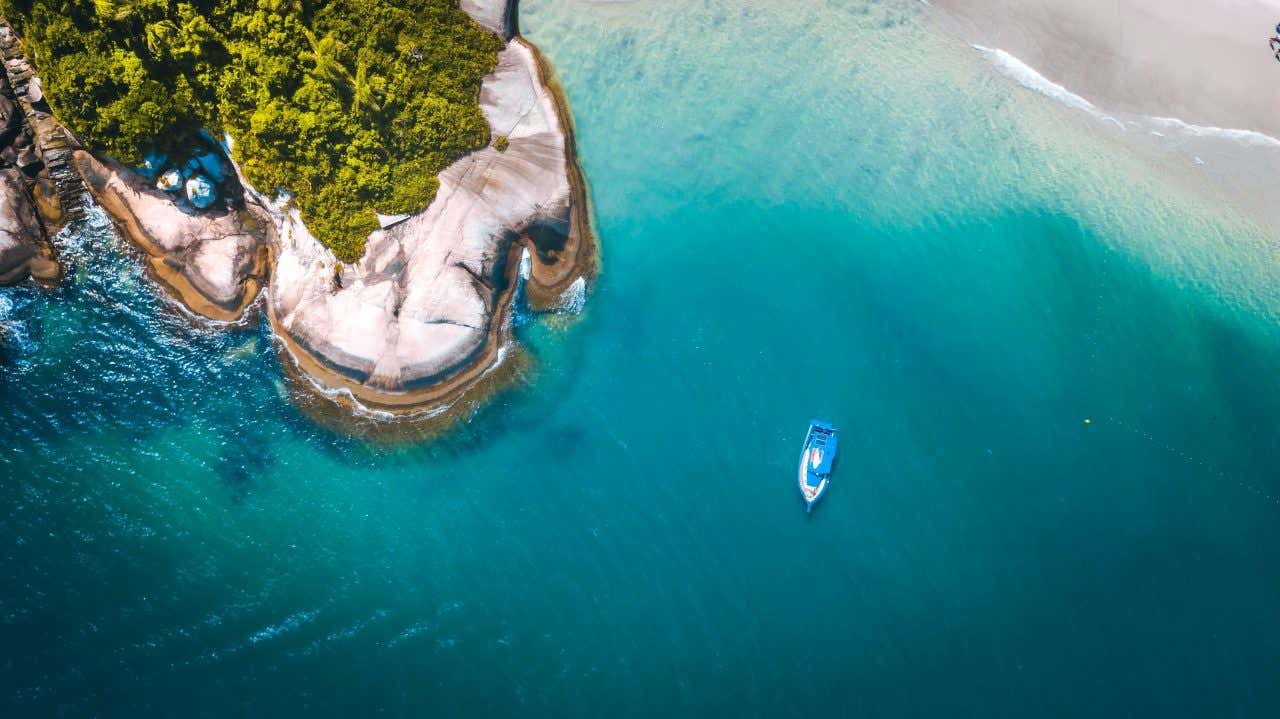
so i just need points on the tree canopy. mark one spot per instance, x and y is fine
(354, 106)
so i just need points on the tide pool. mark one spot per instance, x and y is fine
(806, 210)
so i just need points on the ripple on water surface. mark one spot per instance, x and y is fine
(623, 530)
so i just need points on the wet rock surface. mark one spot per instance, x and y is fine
(22, 235)
(214, 261)
(25, 252)
(426, 311)
(424, 316)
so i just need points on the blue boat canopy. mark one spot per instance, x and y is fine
(825, 443)
(817, 461)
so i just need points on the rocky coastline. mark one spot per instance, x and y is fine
(213, 262)
(426, 312)
(25, 252)
(30, 208)
(424, 317)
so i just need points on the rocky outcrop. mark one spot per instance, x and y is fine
(426, 312)
(28, 205)
(215, 262)
(424, 316)
(59, 189)
(496, 16)
(24, 248)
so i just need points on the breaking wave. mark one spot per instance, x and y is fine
(1247, 137)
(574, 298)
(1029, 78)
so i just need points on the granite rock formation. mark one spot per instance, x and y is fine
(426, 311)
(424, 316)
(28, 205)
(23, 242)
(214, 261)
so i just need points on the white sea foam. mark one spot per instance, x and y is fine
(344, 633)
(13, 331)
(292, 622)
(526, 264)
(358, 408)
(574, 298)
(1247, 137)
(1027, 76)
(409, 633)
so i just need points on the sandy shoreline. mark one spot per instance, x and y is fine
(1190, 84)
(1204, 61)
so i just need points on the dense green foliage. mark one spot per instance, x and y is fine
(353, 105)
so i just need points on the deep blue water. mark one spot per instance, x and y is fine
(823, 211)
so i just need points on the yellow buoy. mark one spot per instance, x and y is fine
(1088, 421)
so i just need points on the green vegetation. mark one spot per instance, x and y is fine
(502, 143)
(353, 105)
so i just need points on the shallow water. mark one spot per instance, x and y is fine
(820, 211)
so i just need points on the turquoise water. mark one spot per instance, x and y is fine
(830, 211)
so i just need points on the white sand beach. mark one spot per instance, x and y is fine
(1193, 83)
(1204, 61)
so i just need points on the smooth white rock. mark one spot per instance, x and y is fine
(216, 250)
(489, 14)
(417, 307)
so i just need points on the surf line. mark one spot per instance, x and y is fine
(1027, 76)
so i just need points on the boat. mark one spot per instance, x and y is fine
(816, 460)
